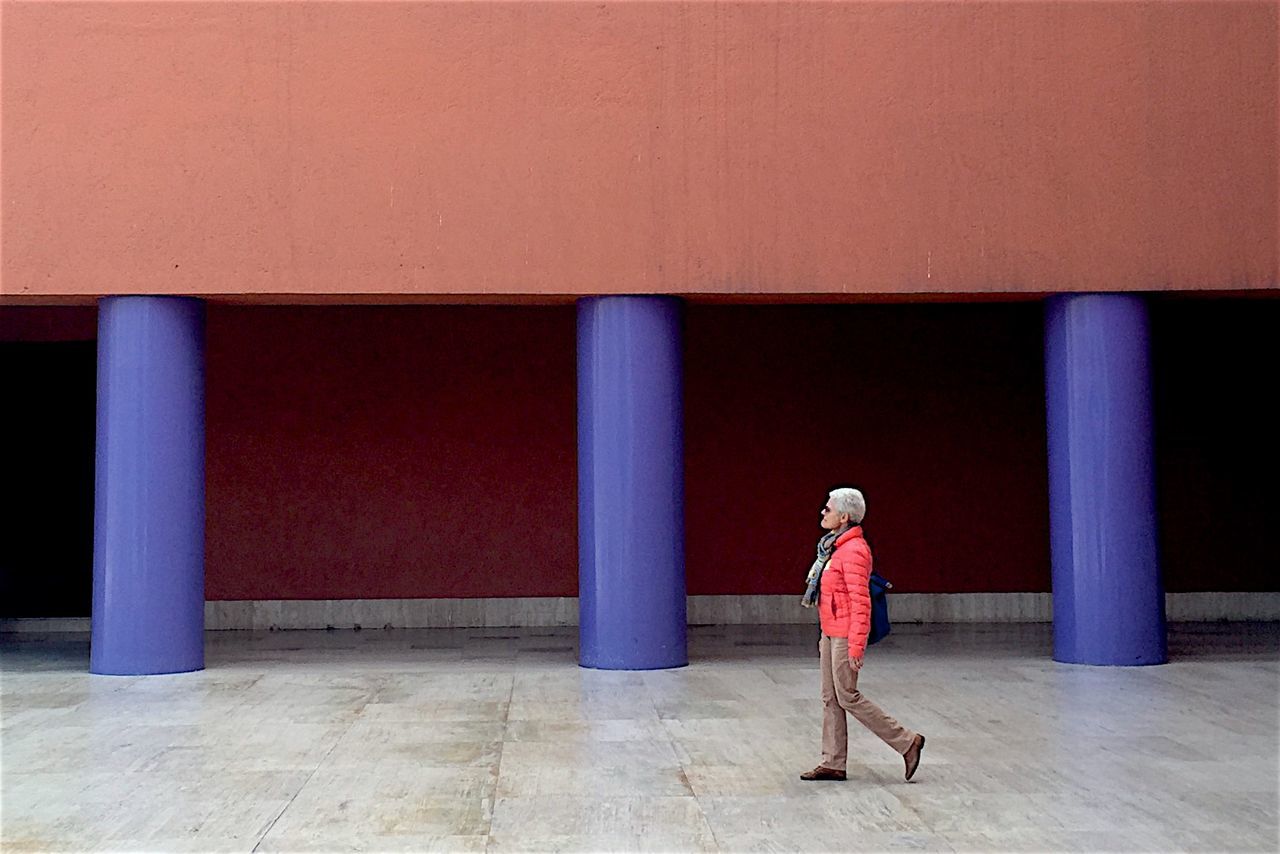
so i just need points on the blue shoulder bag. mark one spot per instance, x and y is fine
(879, 608)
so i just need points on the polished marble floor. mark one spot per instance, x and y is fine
(494, 740)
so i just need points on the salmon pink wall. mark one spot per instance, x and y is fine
(421, 148)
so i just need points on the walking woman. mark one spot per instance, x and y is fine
(838, 581)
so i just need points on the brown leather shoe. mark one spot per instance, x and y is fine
(912, 756)
(822, 773)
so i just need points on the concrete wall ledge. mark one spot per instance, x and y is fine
(279, 614)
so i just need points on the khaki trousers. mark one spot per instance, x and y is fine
(840, 694)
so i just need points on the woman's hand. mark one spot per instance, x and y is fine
(855, 664)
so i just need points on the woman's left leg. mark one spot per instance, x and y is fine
(871, 716)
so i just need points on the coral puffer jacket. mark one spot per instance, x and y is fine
(844, 599)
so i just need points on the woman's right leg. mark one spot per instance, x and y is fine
(835, 728)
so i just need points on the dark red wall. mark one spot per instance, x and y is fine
(372, 452)
(390, 452)
(935, 412)
(430, 451)
(1217, 442)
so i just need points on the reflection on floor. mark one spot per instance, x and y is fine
(494, 739)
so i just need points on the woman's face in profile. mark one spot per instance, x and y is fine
(831, 520)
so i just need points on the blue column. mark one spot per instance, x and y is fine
(631, 590)
(148, 531)
(1108, 597)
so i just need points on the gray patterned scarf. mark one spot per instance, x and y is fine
(826, 547)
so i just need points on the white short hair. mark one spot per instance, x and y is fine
(850, 501)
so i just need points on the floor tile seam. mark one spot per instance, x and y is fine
(271, 824)
(684, 773)
(502, 749)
